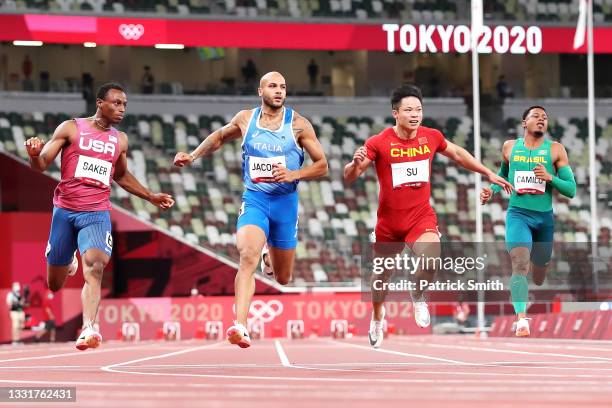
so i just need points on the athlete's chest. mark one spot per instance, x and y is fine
(395, 150)
(408, 161)
(523, 157)
(104, 146)
(265, 141)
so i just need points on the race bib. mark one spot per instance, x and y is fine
(412, 174)
(94, 171)
(260, 168)
(526, 182)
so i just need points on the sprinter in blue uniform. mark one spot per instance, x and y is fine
(274, 138)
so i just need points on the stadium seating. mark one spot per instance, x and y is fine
(335, 221)
(407, 10)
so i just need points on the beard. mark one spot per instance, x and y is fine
(269, 102)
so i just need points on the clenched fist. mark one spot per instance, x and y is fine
(182, 159)
(34, 146)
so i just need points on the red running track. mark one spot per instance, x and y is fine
(427, 371)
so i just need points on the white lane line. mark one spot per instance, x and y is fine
(515, 340)
(572, 381)
(281, 354)
(257, 387)
(72, 354)
(497, 350)
(399, 353)
(110, 368)
(310, 366)
(528, 344)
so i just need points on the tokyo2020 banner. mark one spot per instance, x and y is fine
(424, 38)
(316, 310)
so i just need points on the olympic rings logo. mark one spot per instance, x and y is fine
(265, 311)
(131, 31)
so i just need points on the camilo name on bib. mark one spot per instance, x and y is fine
(526, 182)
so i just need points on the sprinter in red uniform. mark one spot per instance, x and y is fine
(94, 154)
(403, 155)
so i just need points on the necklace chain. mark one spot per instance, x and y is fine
(98, 123)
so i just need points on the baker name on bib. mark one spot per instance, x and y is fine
(93, 171)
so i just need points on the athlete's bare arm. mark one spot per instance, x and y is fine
(507, 149)
(463, 158)
(213, 142)
(355, 168)
(42, 154)
(486, 193)
(129, 183)
(307, 139)
(563, 181)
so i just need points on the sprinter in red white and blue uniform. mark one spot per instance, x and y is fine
(274, 138)
(94, 154)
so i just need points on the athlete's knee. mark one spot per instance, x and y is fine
(249, 256)
(55, 279)
(429, 270)
(520, 264)
(539, 275)
(54, 283)
(283, 279)
(94, 270)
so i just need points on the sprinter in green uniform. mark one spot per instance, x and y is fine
(534, 165)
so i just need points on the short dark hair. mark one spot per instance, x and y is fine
(103, 90)
(526, 113)
(403, 92)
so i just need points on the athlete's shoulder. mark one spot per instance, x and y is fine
(385, 133)
(245, 113)
(507, 149)
(70, 123)
(66, 129)
(297, 117)
(509, 144)
(557, 147)
(374, 140)
(426, 131)
(123, 137)
(242, 118)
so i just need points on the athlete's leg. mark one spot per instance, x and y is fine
(253, 227)
(96, 245)
(519, 287)
(426, 246)
(282, 239)
(538, 273)
(60, 248)
(94, 262)
(250, 240)
(541, 252)
(386, 246)
(519, 243)
(282, 263)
